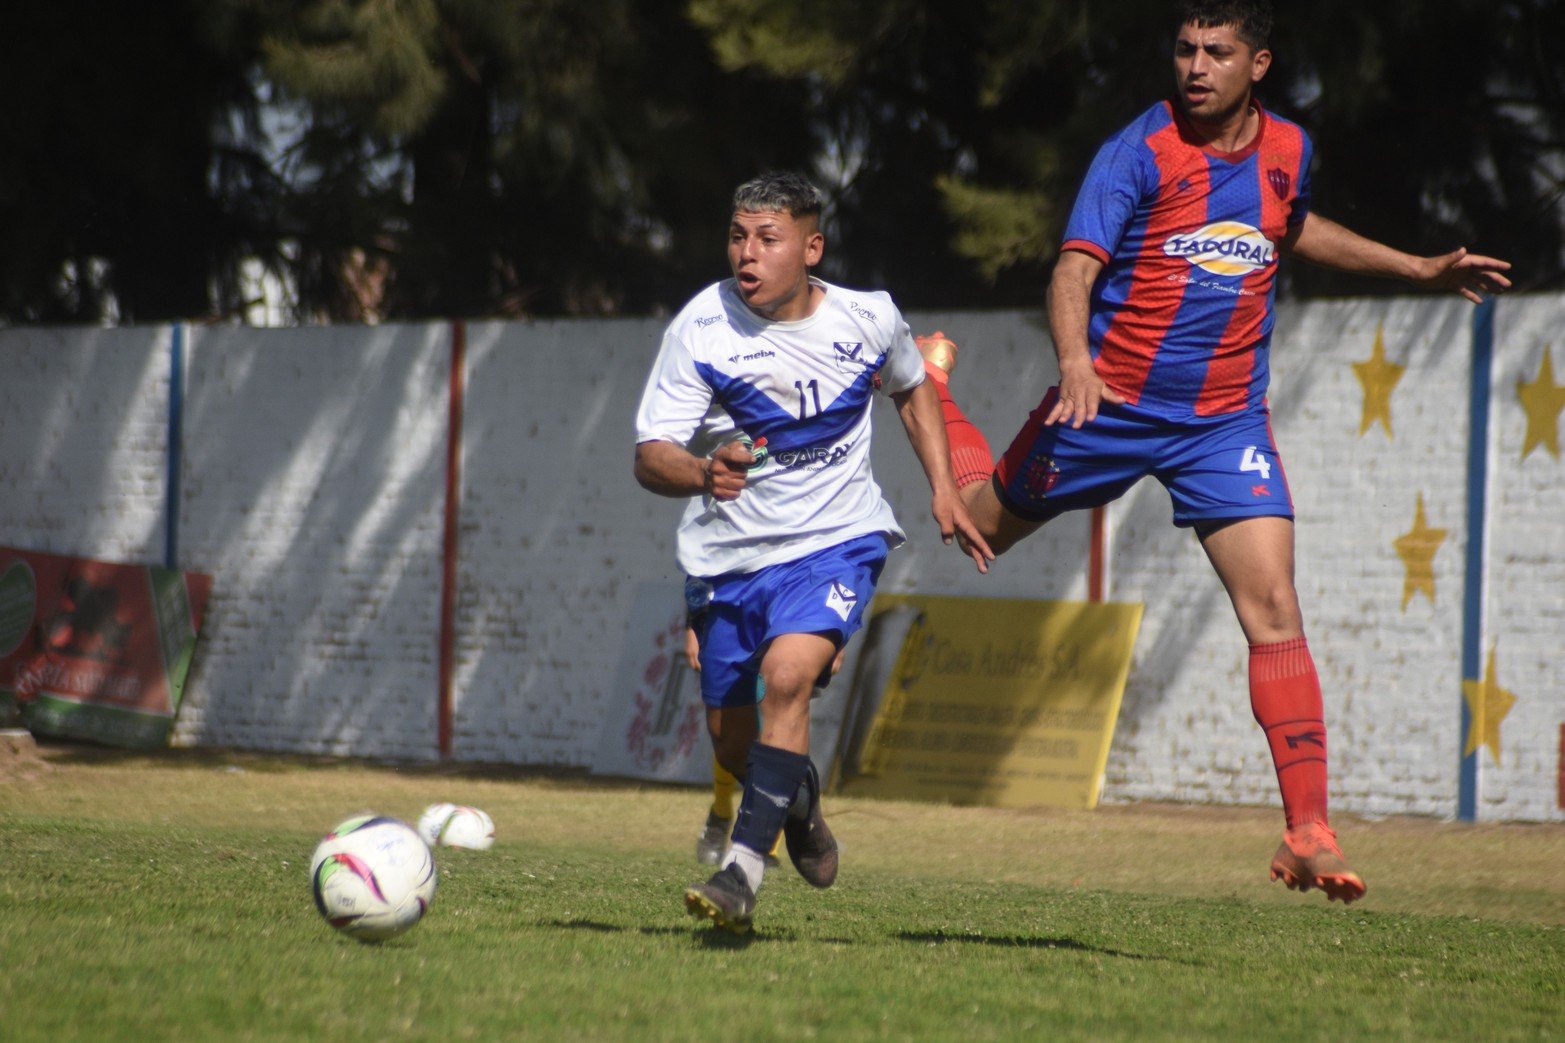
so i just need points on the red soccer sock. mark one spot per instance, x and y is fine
(1285, 696)
(971, 459)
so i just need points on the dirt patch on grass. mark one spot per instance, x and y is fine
(19, 756)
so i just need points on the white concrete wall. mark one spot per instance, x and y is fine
(83, 441)
(313, 489)
(555, 534)
(313, 492)
(1524, 604)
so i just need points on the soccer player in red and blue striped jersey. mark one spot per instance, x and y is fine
(1161, 310)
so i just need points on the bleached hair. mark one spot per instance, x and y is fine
(785, 192)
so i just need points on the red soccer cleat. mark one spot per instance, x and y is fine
(1309, 857)
(939, 353)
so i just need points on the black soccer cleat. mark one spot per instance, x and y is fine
(811, 847)
(725, 899)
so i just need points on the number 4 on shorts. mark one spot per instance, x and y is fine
(1254, 461)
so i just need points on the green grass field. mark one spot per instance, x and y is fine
(167, 897)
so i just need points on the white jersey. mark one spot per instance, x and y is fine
(804, 387)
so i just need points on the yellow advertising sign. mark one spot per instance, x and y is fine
(987, 701)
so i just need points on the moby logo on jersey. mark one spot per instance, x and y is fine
(1224, 248)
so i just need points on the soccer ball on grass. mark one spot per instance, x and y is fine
(433, 820)
(373, 877)
(456, 825)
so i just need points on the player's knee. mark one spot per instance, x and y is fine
(788, 683)
(1271, 611)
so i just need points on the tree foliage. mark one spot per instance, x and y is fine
(412, 158)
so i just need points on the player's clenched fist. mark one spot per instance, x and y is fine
(726, 470)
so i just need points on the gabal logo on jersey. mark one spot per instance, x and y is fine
(1224, 248)
(841, 600)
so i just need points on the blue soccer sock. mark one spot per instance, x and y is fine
(773, 777)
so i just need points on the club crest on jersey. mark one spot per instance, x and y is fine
(1224, 248)
(1278, 178)
(841, 600)
(849, 353)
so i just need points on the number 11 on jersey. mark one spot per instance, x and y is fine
(815, 392)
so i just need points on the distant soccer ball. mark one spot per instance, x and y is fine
(467, 827)
(373, 877)
(433, 820)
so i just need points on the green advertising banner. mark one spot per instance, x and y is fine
(94, 650)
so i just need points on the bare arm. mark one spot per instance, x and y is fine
(1322, 241)
(1070, 297)
(669, 470)
(919, 409)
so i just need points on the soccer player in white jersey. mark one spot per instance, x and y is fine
(785, 521)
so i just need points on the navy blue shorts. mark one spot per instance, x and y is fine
(821, 593)
(1214, 468)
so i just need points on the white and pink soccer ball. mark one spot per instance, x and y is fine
(373, 877)
(456, 825)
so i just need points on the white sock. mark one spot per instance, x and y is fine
(750, 862)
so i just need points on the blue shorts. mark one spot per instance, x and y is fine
(1214, 468)
(821, 593)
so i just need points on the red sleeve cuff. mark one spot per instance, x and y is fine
(1087, 247)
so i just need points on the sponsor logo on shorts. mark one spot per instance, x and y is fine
(841, 600)
(1224, 248)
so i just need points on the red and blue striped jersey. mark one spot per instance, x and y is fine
(1182, 312)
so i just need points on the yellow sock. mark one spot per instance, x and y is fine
(724, 792)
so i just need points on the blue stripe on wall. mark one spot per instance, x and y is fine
(176, 431)
(1473, 597)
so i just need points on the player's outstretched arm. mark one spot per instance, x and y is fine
(1070, 297)
(1322, 241)
(669, 470)
(919, 409)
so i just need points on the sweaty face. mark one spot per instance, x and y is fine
(771, 254)
(1215, 71)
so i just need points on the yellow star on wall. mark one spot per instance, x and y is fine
(1488, 704)
(1542, 399)
(1378, 378)
(1417, 549)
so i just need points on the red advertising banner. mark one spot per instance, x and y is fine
(94, 650)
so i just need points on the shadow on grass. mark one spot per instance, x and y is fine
(1019, 942)
(711, 937)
